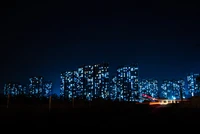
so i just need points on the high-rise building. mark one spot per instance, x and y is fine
(164, 89)
(22, 90)
(70, 82)
(62, 85)
(182, 89)
(36, 86)
(114, 92)
(101, 80)
(127, 82)
(144, 87)
(168, 87)
(172, 89)
(47, 88)
(94, 80)
(175, 91)
(89, 81)
(193, 86)
(149, 87)
(14, 89)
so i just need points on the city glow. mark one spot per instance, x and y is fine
(93, 81)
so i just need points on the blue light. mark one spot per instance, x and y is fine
(125, 85)
(14, 89)
(193, 87)
(91, 81)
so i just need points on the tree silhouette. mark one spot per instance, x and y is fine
(198, 82)
(55, 97)
(198, 79)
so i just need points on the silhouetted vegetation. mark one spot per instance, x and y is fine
(33, 110)
(59, 103)
(198, 79)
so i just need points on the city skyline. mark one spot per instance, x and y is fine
(98, 82)
(112, 64)
(48, 38)
(56, 88)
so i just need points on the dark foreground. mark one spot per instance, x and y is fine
(96, 116)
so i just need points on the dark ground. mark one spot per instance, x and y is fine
(96, 116)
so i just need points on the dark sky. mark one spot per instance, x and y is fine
(50, 37)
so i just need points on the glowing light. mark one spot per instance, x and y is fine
(172, 89)
(193, 87)
(88, 82)
(36, 86)
(149, 88)
(125, 85)
(14, 89)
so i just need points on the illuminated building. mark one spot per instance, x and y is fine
(70, 85)
(193, 87)
(14, 89)
(127, 83)
(47, 88)
(173, 89)
(175, 92)
(36, 86)
(153, 88)
(143, 87)
(90, 81)
(101, 80)
(62, 86)
(149, 87)
(114, 91)
(166, 89)
(182, 89)
(22, 90)
(87, 81)
(94, 80)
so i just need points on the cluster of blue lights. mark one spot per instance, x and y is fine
(87, 82)
(14, 89)
(149, 87)
(37, 87)
(193, 85)
(93, 81)
(124, 86)
(173, 89)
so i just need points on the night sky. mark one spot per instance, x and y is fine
(51, 37)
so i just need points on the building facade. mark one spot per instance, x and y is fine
(166, 88)
(173, 89)
(14, 89)
(193, 86)
(182, 88)
(88, 82)
(114, 92)
(47, 89)
(70, 82)
(127, 83)
(36, 86)
(149, 87)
